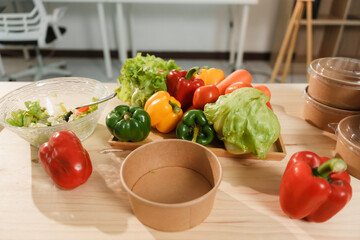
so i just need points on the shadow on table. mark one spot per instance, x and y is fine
(309, 137)
(260, 175)
(100, 202)
(232, 218)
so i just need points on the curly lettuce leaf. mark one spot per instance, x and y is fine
(141, 77)
(243, 121)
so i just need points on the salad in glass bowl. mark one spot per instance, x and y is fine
(39, 109)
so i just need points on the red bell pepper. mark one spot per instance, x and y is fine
(313, 187)
(65, 160)
(182, 85)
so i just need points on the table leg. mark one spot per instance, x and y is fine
(291, 46)
(234, 10)
(308, 33)
(104, 36)
(2, 69)
(131, 32)
(121, 33)
(289, 30)
(242, 30)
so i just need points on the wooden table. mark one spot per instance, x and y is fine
(246, 205)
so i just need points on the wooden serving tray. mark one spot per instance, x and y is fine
(276, 153)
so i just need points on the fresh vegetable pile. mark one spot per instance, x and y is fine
(200, 105)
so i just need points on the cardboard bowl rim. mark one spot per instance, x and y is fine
(172, 205)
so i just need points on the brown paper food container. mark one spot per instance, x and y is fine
(321, 115)
(335, 82)
(171, 183)
(348, 143)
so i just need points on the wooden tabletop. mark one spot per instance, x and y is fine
(246, 204)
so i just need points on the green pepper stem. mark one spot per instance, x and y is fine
(175, 107)
(332, 165)
(127, 116)
(196, 133)
(191, 72)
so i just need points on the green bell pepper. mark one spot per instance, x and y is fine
(128, 123)
(195, 127)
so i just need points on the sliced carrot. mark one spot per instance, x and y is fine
(240, 75)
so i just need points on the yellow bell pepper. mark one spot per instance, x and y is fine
(164, 110)
(210, 76)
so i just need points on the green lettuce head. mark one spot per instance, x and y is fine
(244, 122)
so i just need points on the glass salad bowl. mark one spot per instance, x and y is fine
(58, 96)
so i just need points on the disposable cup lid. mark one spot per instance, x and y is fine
(338, 69)
(349, 128)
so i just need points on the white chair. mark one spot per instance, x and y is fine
(37, 29)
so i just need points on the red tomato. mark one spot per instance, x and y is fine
(83, 109)
(264, 89)
(205, 94)
(269, 105)
(236, 85)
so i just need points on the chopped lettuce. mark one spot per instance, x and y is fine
(36, 116)
(141, 77)
(33, 114)
(243, 121)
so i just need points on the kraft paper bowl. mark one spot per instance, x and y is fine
(171, 183)
(335, 82)
(321, 115)
(348, 143)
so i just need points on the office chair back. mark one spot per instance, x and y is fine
(37, 29)
(24, 28)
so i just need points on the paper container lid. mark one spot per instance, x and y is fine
(171, 183)
(349, 130)
(337, 70)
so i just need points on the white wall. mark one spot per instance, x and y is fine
(172, 27)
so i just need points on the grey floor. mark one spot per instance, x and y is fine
(94, 68)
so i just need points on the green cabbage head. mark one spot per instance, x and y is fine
(244, 122)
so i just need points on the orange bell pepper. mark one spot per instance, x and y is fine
(210, 76)
(164, 110)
